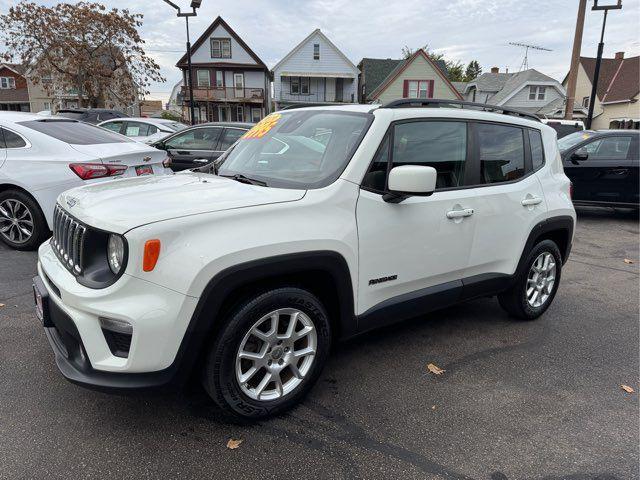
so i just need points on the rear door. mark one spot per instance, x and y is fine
(606, 174)
(193, 147)
(508, 200)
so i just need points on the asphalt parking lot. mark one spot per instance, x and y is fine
(538, 400)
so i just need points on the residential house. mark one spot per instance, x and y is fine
(315, 71)
(616, 104)
(385, 80)
(230, 82)
(14, 94)
(527, 90)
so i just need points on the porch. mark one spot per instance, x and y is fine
(225, 111)
(316, 89)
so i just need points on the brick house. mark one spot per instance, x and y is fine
(14, 94)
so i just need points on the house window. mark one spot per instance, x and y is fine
(219, 78)
(316, 51)
(585, 102)
(240, 113)
(46, 105)
(536, 92)
(7, 82)
(294, 86)
(220, 48)
(204, 80)
(418, 89)
(304, 85)
(256, 114)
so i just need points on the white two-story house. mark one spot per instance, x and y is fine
(230, 82)
(315, 71)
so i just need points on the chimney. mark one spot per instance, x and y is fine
(495, 69)
(619, 55)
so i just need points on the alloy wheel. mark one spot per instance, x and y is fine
(276, 354)
(541, 279)
(16, 221)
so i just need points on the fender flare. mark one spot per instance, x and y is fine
(563, 223)
(205, 317)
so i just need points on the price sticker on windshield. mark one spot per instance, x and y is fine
(263, 127)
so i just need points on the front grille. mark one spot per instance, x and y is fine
(68, 240)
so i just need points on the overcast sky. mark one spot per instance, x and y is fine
(461, 29)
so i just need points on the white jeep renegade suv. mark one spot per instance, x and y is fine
(319, 224)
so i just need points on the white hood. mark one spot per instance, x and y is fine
(120, 205)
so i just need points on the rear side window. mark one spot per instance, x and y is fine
(501, 153)
(11, 140)
(537, 153)
(137, 129)
(75, 133)
(113, 126)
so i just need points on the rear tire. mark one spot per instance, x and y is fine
(536, 285)
(22, 223)
(259, 365)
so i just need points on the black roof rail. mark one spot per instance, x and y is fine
(438, 103)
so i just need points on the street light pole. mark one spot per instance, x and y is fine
(194, 4)
(596, 71)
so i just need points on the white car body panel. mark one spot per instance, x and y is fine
(207, 224)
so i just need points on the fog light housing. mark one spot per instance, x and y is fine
(116, 325)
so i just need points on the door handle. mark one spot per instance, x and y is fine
(201, 160)
(530, 201)
(619, 171)
(465, 212)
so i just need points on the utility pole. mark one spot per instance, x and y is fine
(575, 61)
(596, 73)
(194, 4)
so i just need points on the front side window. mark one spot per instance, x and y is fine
(501, 150)
(75, 133)
(220, 48)
(537, 153)
(204, 80)
(297, 149)
(609, 148)
(203, 138)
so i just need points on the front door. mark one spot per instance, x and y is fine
(193, 147)
(238, 84)
(606, 173)
(339, 89)
(421, 242)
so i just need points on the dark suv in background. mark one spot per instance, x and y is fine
(91, 115)
(201, 144)
(603, 166)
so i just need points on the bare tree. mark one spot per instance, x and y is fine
(83, 47)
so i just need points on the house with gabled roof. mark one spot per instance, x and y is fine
(384, 80)
(528, 90)
(315, 71)
(230, 82)
(616, 104)
(14, 94)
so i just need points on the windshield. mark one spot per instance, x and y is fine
(565, 143)
(297, 149)
(175, 126)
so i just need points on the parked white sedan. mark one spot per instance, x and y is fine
(40, 157)
(146, 130)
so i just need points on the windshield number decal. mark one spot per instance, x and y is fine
(263, 127)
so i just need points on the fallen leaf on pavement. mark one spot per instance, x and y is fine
(626, 260)
(232, 444)
(435, 369)
(1, 305)
(627, 388)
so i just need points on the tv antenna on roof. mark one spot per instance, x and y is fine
(525, 62)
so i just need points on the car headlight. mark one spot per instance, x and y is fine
(115, 253)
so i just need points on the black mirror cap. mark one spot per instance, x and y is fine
(579, 157)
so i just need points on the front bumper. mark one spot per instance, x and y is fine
(159, 318)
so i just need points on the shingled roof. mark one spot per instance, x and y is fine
(619, 77)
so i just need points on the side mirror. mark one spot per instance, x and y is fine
(410, 180)
(579, 155)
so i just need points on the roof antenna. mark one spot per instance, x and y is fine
(525, 62)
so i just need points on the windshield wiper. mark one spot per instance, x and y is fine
(238, 177)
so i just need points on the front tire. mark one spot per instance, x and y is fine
(536, 285)
(22, 223)
(269, 353)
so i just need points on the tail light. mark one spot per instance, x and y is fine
(166, 163)
(88, 171)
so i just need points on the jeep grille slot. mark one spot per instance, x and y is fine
(68, 240)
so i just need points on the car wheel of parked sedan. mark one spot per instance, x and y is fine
(536, 285)
(22, 224)
(268, 354)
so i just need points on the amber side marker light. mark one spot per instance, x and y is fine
(151, 254)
